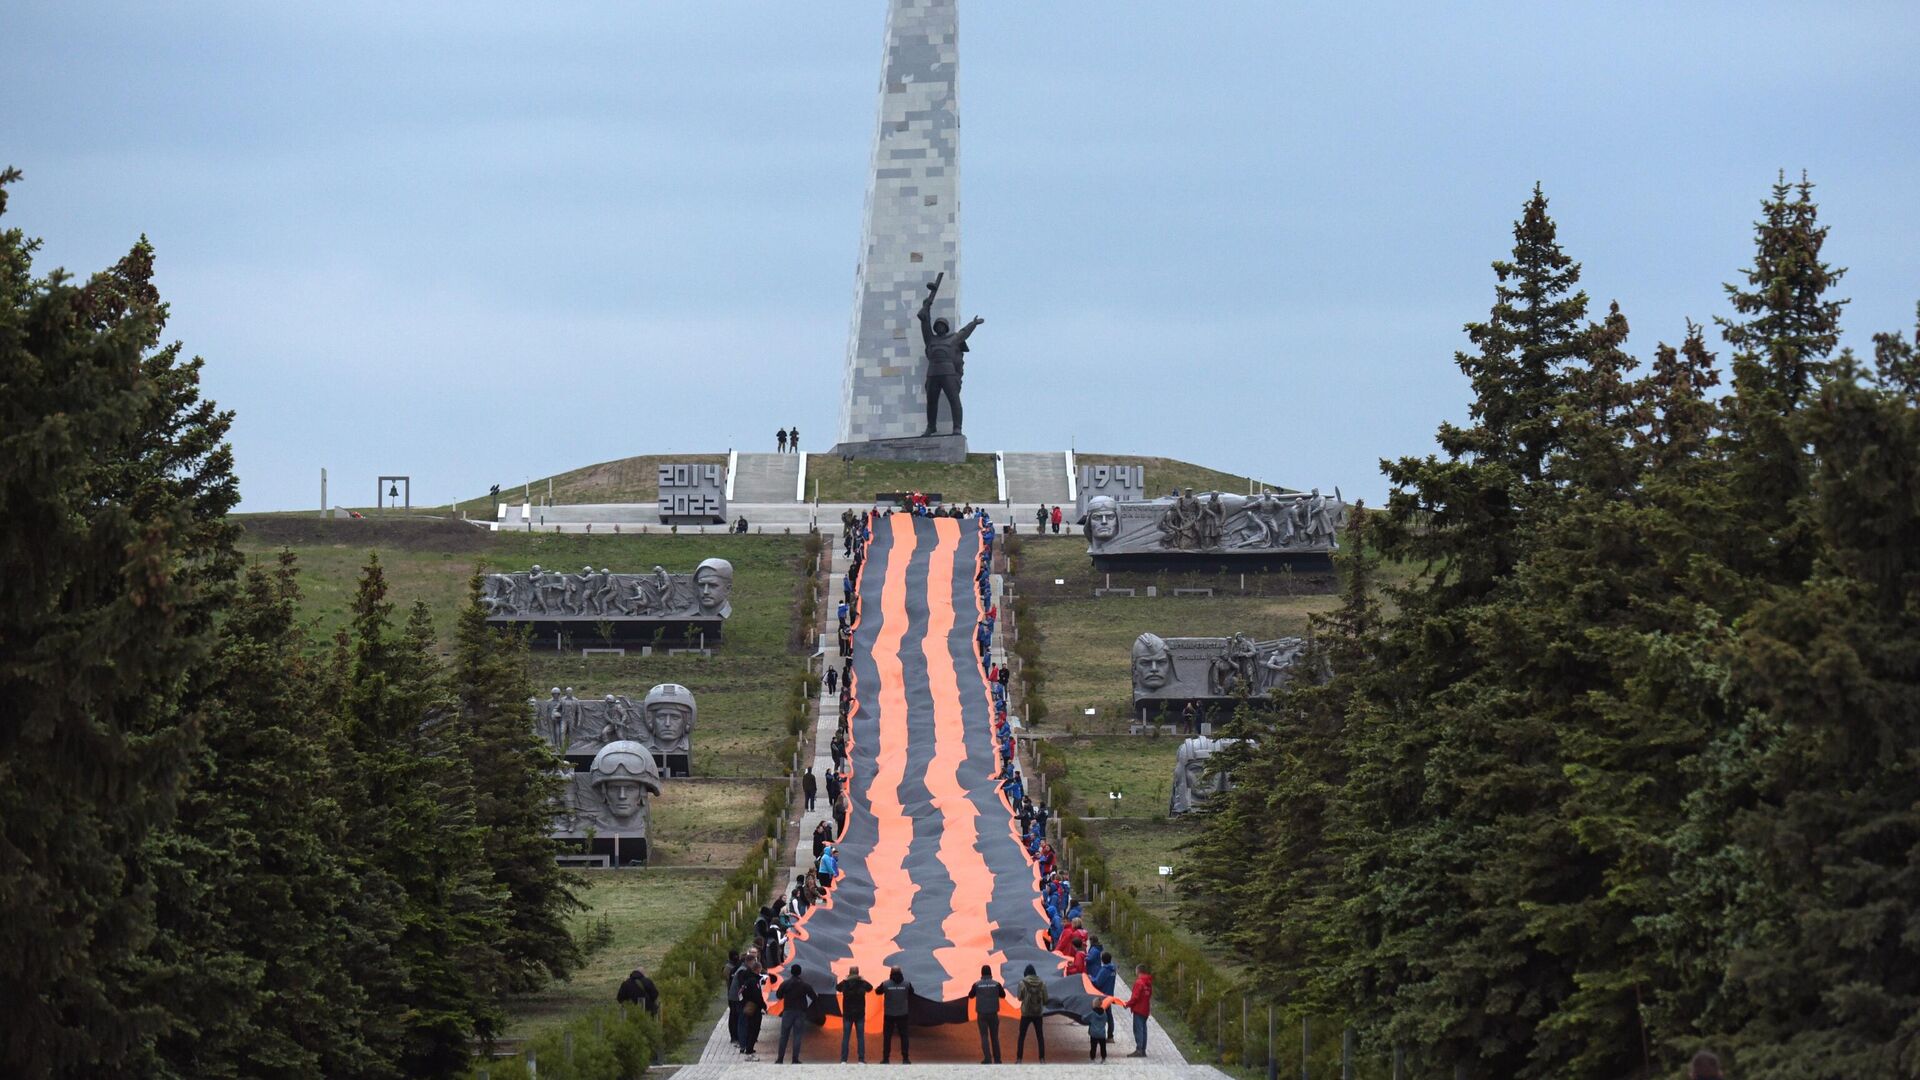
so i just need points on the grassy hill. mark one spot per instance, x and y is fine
(1166, 474)
(633, 480)
(859, 481)
(625, 480)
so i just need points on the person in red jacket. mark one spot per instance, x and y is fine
(1073, 939)
(1138, 1003)
(1056, 520)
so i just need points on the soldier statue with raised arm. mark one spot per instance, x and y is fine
(946, 358)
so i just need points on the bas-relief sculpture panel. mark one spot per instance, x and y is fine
(540, 594)
(1191, 669)
(1214, 522)
(663, 722)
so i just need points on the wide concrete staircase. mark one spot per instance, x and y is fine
(766, 478)
(1036, 478)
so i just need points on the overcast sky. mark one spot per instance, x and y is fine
(480, 242)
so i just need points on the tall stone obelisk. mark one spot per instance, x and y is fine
(912, 234)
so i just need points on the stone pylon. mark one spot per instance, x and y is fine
(912, 224)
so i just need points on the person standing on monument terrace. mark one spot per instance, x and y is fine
(1040, 517)
(946, 358)
(793, 440)
(780, 437)
(1056, 520)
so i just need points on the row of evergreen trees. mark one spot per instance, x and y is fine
(1632, 763)
(227, 850)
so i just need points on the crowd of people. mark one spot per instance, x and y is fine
(1081, 953)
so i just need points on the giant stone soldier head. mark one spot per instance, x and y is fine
(1152, 663)
(623, 775)
(668, 715)
(713, 586)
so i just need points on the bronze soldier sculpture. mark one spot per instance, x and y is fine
(946, 358)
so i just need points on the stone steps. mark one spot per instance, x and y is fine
(765, 478)
(1036, 478)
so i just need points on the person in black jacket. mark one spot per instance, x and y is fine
(733, 996)
(639, 990)
(896, 994)
(986, 995)
(796, 997)
(753, 1010)
(853, 1013)
(809, 786)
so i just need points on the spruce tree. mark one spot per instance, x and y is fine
(1447, 756)
(516, 788)
(256, 910)
(1787, 325)
(115, 482)
(433, 984)
(1801, 859)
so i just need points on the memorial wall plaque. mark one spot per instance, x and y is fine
(1214, 528)
(1169, 672)
(1122, 483)
(576, 729)
(599, 606)
(693, 494)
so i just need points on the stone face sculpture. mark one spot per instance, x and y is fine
(713, 587)
(540, 595)
(1203, 669)
(668, 715)
(1193, 784)
(1216, 524)
(610, 797)
(1153, 669)
(1103, 518)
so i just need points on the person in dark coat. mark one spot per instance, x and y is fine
(796, 997)
(753, 1010)
(780, 437)
(809, 786)
(1033, 1009)
(896, 995)
(987, 994)
(853, 1013)
(734, 964)
(638, 989)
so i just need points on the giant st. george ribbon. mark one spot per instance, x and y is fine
(934, 879)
